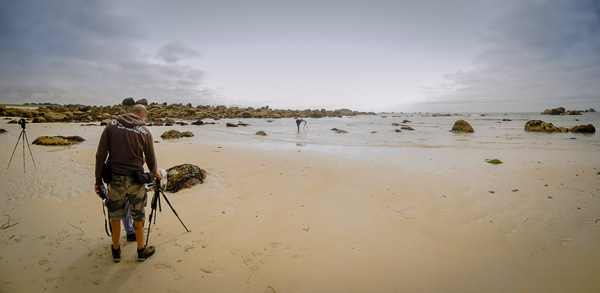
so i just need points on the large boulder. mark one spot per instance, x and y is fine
(462, 126)
(583, 129)
(58, 140)
(142, 102)
(184, 176)
(128, 102)
(541, 126)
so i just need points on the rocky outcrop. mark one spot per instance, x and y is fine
(172, 134)
(583, 129)
(2, 130)
(557, 111)
(58, 140)
(184, 176)
(541, 126)
(561, 111)
(462, 126)
(86, 114)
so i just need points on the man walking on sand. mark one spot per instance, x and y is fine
(126, 141)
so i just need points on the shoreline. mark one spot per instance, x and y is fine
(412, 220)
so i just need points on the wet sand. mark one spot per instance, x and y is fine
(403, 220)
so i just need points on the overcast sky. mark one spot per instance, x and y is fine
(375, 55)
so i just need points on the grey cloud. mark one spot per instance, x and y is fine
(71, 51)
(540, 52)
(176, 51)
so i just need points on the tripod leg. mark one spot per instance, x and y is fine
(24, 151)
(165, 197)
(149, 224)
(153, 207)
(29, 148)
(13, 153)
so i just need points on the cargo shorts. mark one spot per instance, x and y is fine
(122, 189)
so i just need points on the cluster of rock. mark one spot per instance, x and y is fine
(158, 113)
(184, 176)
(58, 140)
(563, 111)
(171, 134)
(541, 126)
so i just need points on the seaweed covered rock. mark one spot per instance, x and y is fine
(58, 140)
(462, 126)
(541, 126)
(55, 117)
(171, 134)
(184, 176)
(583, 129)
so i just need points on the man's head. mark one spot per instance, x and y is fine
(140, 111)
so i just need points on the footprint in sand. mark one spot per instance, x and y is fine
(169, 270)
(206, 271)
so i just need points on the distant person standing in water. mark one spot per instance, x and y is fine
(299, 121)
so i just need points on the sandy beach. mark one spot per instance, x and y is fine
(403, 220)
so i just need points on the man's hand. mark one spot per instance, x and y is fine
(158, 175)
(97, 189)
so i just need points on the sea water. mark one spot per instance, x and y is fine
(363, 132)
(492, 131)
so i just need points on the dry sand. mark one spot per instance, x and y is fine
(404, 220)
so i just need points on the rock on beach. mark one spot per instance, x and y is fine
(184, 176)
(462, 126)
(57, 140)
(172, 134)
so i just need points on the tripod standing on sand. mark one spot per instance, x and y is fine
(158, 190)
(23, 134)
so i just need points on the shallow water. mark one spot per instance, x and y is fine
(363, 132)
(374, 131)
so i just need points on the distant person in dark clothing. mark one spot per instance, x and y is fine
(299, 121)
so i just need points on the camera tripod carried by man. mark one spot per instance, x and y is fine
(126, 141)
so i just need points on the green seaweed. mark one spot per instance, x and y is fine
(494, 161)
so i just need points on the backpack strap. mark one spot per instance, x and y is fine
(107, 226)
